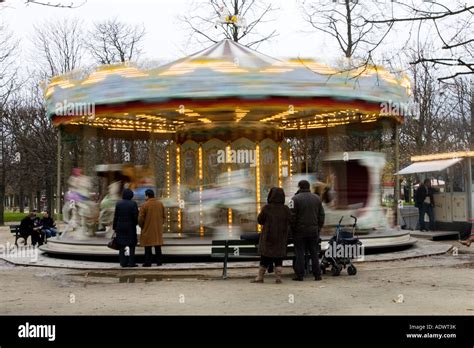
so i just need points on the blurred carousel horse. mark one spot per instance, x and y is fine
(80, 212)
(107, 206)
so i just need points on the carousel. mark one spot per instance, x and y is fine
(227, 115)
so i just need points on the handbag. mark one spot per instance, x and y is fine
(113, 243)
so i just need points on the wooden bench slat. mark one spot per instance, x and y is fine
(223, 242)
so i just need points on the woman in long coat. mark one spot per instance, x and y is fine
(125, 227)
(275, 218)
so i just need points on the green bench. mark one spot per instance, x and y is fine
(237, 249)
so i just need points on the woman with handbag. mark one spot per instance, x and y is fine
(125, 227)
(275, 218)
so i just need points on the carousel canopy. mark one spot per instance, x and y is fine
(226, 82)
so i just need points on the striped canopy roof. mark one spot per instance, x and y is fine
(226, 82)
(230, 52)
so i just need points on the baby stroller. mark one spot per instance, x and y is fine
(339, 241)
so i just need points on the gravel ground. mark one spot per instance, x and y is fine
(441, 284)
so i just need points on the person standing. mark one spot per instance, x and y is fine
(425, 202)
(406, 190)
(275, 218)
(307, 221)
(125, 227)
(151, 219)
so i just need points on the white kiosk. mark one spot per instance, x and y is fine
(453, 202)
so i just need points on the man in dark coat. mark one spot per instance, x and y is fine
(27, 224)
(125, 227)
(308, 219)
(275, 218)
(30, 226)
(424, 201)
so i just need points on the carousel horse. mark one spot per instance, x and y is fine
(107, 206)
(80, 211)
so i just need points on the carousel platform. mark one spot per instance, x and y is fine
(436, 235)
(190, 245)
(423, 248)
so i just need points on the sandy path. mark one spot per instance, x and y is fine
(442, 284)
(432, 285)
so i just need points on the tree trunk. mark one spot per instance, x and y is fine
(38, 200)
(21, 201)
(2, 195)
(31, 201)
(2, 201)
(49, 188)
(472, 114)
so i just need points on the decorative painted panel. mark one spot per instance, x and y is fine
(441, 207)
(189, 164)
(269, 167)
(212, 166)
(459, 206)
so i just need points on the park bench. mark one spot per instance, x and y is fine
(15, 229)
(239, 249)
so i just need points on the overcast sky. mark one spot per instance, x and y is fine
(166, 35)
(167, 38)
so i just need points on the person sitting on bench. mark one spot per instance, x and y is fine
(49, 227)
(30, 226)
(26, 225)
(38, 236)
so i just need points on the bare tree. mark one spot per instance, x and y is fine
(59, 45)
(32, 144)
(59, 50)
(344, 22)
(56, 4)
(454, 27)
(112, 41)
(440, 121)
(238, 20)
(8, 74)
(8, 66)
(459, 123)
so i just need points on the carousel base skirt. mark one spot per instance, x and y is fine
(193, 245)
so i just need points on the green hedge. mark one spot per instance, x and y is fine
(9, 216)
